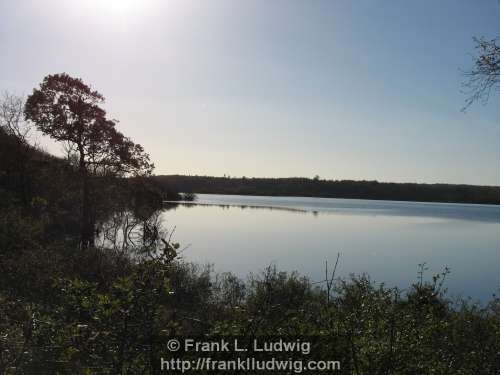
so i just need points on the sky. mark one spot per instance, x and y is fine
(364, 90)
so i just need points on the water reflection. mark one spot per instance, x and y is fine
(321, 206)
(387, 240)
(171, 205)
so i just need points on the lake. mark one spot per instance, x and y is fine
(385, 239)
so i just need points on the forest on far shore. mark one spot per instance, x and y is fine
(317, 187)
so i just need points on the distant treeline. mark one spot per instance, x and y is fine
(306, 187)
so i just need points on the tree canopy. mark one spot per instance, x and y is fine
(68, 110)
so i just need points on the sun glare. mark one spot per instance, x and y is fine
(120, 6)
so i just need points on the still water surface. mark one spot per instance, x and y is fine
(384, 239)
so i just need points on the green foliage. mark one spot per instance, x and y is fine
(122, 325)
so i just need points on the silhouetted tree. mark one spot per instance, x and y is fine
(485, 73)
(12, 119)
(68, 110)
(19, 132)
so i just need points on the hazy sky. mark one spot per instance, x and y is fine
(344, 89)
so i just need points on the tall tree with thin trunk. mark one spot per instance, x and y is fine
(68, 110)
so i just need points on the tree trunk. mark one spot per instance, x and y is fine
(86, 224)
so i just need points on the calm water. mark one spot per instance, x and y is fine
(385, 239)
